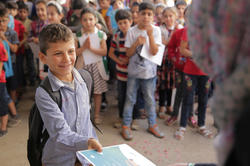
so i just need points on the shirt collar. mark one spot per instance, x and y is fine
(56, 84)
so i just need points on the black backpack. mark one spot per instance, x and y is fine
(38, 136)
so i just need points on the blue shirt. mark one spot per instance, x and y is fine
(138, 66)
(69, 128)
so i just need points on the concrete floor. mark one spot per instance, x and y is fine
(194, 148)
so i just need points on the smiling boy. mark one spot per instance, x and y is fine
(69, 128)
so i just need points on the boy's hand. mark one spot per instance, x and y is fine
(94, 144)
(123, 61)
(140, 40)
(2, 36)
(149, 30)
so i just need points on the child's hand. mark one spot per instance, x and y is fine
(86, 44)
(123, 61)
(149, 30)
(140, 40)
(98, 26)
(94, 144)
(2, 36)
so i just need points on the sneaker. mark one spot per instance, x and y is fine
(155, 131)
(3, 132)
(170, 121)
(134, 125)
(192, 122)
(126, 133)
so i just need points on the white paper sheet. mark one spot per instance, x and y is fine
(157, 59)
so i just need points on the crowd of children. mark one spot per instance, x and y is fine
(109, 39)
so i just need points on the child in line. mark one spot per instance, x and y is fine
(135, 12)
(117, 53)
(195, 79)
(105, 9)
(179, 63)
(4, 97)
(36, 27)
(116, 5)
(93, 56)
(69, 128)
(8, 38)
(54, 12)
(23, 17)
(158, 14)
(141, 72)
(166, 70)
(181, 6)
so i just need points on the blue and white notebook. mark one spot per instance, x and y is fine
(118, 155)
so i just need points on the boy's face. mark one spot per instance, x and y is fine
(22, 14)
(169, 18)
(118, 5)
(158, 14)
(53, 16)
(104, 4)
(181, 9)
(88, 21)
(13, 12)
(124, 25)
(41, 11)
(4, 23)
(135, 14)
(146, 17)
(60, 57)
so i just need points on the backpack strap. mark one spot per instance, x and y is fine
(56, 96)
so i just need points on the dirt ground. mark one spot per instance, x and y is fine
(162, 152)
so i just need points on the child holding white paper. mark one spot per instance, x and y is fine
(142, 72)
(93, 48)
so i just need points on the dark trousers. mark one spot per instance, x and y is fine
(121, 89)
(180, 85)
(202, 84)
(165, 96)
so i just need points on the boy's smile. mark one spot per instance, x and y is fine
(60, 57)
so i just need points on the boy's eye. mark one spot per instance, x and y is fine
(71, 51)
(58, 53)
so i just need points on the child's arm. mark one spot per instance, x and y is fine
(102, 51)
(1, 67)
(152, 45)
(139, 41)
(184, 49)
(115, 58)
(13, 47)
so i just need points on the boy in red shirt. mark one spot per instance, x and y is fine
(4, 97)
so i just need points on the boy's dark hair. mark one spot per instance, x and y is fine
(53, 33)
(123, 14)
(22, 5)
(135, 4)
(180, 2)
(11, 5)
(41, 1)
(78, 4)
(3, 10)
(88, 10)
(145, 6)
